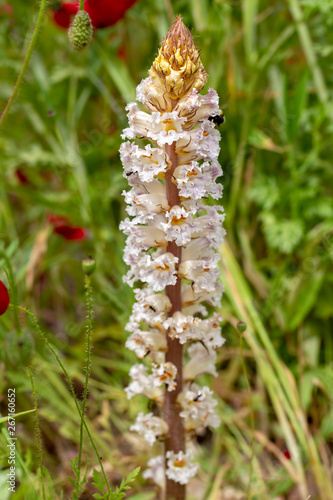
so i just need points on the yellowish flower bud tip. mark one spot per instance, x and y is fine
(178, 66)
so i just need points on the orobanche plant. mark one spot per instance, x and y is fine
(171, 163)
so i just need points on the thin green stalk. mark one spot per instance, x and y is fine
(248, 493)
(12, 285)
(88, 349)
(238, 166)
(43, 336)
(39, 440)
(307, 45)
(26, 61)
(274, 46)
(81, 5)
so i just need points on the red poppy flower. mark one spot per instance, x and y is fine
(4, 298)
(71, 233)
(103, 13)
(64, 14)
(57, 220)
(6, 9)
(21, 176)
(62, 227)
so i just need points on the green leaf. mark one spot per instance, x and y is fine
(284, 234)
(4, 419)
(295, 104)
(99, 482)
(304, 297)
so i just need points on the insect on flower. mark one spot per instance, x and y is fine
(217, 119)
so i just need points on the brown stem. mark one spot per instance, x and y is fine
(175, 440)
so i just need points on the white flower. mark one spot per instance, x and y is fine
(180, 225)
(203, 273)
(159, 272)
(150, 427)
(165, 374)
(197, 107)
(144, 342)
(202, 360)
(180, 467)
(190, 297)
(147, 197)
(166, 128)
(156, 472)
(162, 128)
(198, 406)
(186, 328)
(143, 236)
(148, 163)
(142, 383)
(196, 181)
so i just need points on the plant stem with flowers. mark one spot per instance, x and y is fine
(171, 248)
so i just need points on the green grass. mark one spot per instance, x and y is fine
(271, 64)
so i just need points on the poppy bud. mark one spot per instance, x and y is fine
(241, 326)
(88, 265)
(4, 298)
(81, 31)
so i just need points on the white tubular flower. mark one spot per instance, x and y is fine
(197, 406)
(143, 383)
(196, 181)
(203, 273)
(180, 467)
(173, 232)
(165, 374)
(145, 342)
(202, 360)
(150, 427)
(156, 471)
(148, 163)
(159, 272)
(187, 328)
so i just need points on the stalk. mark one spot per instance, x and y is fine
(174, 440)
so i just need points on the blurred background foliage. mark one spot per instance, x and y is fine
(271, 63)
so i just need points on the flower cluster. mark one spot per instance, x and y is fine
(170, 159)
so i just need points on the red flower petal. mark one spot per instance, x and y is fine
(4, 298)
(103, 13)
(71, 233)
(7, 9)
(57, 220)
(287, 454)
(64, 15)
(21, 176)
(122, 52)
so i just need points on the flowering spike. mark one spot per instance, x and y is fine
(171, 248)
